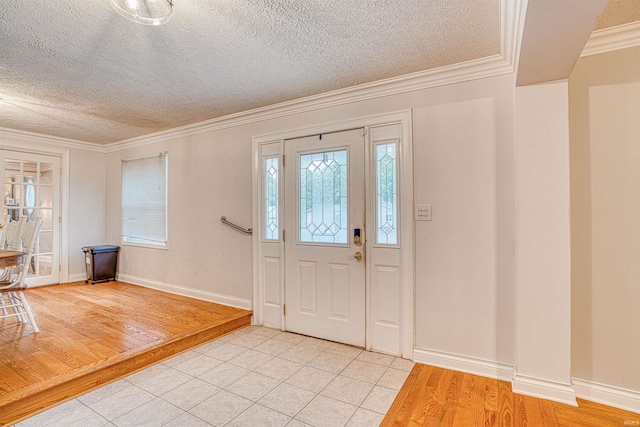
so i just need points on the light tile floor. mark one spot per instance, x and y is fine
(253, 377)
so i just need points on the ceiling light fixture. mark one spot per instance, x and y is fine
(146, 12)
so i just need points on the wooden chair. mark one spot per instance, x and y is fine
(12, 300)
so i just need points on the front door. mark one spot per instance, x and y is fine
(32, 190)
(324, 211)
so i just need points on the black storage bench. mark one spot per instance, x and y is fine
(101, 262)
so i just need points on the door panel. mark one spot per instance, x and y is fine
(338, 291)
(324, 204)
(32, 190)
(307, 287)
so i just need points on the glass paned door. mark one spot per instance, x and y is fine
(31, 191)
(324, 209)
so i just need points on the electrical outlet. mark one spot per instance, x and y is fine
(422, 213)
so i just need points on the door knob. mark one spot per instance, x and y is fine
(358, 256)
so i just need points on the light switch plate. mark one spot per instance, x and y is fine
(422, 213)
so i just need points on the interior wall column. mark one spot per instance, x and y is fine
(543, 290)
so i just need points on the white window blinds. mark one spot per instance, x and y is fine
(144, 200)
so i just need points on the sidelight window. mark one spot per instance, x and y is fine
(386, 194)
(271, 226)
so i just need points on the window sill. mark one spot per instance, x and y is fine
(143, 245)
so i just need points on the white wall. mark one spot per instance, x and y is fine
(87, 206)
(464, 257)
(209, 176)
(464, 164)
(543, 357)
(605, 195)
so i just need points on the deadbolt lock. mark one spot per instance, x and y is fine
(357, 237)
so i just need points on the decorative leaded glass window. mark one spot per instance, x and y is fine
(323, 197)
(386, 194)
(271, 228)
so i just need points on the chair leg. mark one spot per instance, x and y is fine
(2, 302)
(17, 309)
(27, 310)
(9, 298)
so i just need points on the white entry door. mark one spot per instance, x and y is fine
(324, 210)
(32, 190)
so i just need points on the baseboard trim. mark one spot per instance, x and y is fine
(192, 293)
(609, 395)
(469, 365)
(544, 389)
(79, 277)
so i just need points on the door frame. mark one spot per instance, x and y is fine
(271, 145)
(28, 146)
(55, 161)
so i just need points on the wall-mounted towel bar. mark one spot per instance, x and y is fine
(247, 231)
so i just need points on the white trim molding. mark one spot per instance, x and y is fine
(614, 38)
(544, 389)
(191, 293)
(609, 395)
(77, 277)
(469, 365)
(8, 135)
(512, 13)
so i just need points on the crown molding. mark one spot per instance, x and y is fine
(512, 14)
(614, 38)
(8, 135)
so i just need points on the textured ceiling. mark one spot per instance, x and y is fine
(619, 12)
(77, 69)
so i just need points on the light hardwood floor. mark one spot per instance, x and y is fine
(440, 397)
(93, 335)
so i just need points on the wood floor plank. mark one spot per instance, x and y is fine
(451, 400)
(527, 411)
(439, 397)
(491, 399)
(505, 404)
(93, 335)
(591, 414)
(462, 417)
(403, 394)
(602, 410)
(547, 413)
(401, 411)
(479, 387)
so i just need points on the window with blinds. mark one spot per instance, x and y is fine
(144, 200)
